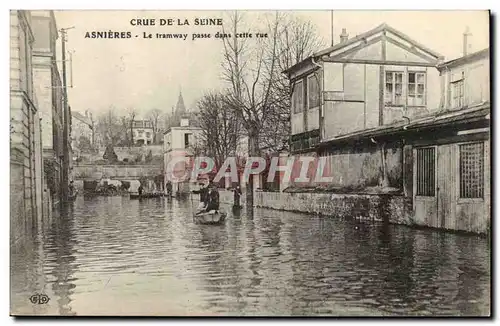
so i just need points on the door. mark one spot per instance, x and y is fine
(434, 180)
(425, 185)
(445, 186)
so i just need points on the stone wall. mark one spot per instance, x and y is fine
(396, 209)
(130, 153)
(96, 172)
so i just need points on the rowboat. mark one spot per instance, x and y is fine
(212, 217)
(137, 196)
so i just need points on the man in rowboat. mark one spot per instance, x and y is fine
(203, 192)
(213, 197)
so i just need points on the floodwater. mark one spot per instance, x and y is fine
(116, 256)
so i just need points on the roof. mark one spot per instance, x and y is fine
(438, 119)
(378, 29)
(484, 53)
(81, 117)
(190, 127)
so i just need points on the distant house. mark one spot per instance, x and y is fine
(389, 115)
(143, 132)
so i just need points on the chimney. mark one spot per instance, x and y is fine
(466, 43)
(344, 36)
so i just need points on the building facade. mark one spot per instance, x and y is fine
(389, 116)
(25, 140)
(50, 92)
(143, 132)
(180, 145)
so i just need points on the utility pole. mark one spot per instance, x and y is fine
(66, 136)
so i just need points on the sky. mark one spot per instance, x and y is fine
(149, 73)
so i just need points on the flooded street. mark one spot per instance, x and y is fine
(116, 256)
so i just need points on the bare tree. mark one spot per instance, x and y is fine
(219, 127)
(297, 40)
(125, 126)
(93, 127)
(250, 71)
(109, 127)
(154, 118)
(259, 93)
(130, 118)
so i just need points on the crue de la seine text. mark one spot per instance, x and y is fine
(172, 21)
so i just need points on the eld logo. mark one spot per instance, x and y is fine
(39, 299)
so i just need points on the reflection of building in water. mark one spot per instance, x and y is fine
(61, 252)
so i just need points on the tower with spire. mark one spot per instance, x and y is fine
(179, 112)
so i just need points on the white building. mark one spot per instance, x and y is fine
(180, 142)
(143, 132)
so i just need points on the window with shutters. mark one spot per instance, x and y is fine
(426, 171)
(472, 170)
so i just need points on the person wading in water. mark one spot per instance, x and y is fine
(236, 197)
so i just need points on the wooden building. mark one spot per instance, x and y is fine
(392, 117)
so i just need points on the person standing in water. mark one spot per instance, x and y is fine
(236, 196)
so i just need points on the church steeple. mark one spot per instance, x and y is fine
(180, 108)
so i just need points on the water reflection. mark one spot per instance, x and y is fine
(112, 255)
(61, 259)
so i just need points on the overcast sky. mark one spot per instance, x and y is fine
(147, 74)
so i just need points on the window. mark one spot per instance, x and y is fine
(186, 140)
(298, 97)
(457, 93)
(426, 163)
(472, 170)
(416, 89)
(394, 88)
(148, 134)
(313, 91)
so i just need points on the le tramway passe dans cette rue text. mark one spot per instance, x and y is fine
(153, 22)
